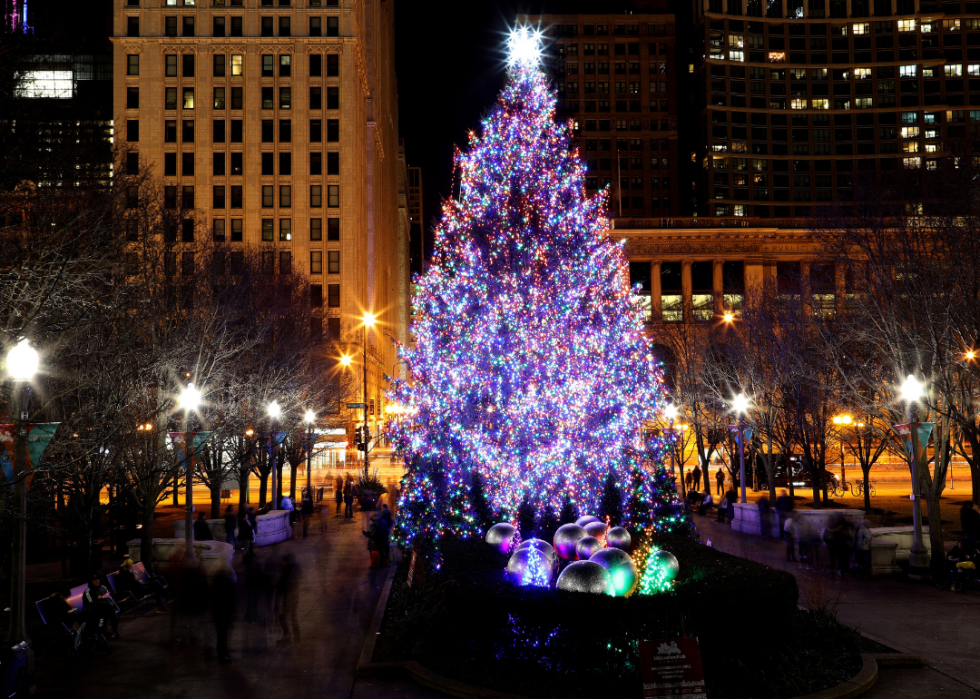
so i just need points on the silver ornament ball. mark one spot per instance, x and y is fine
(546, 550)
(668, 563)
(519, 561)
(566, 538)
(586, 519)
(586, 547)
(621, 570)
(596, 529)
(501, 536)
(619, 538)
(585, 576)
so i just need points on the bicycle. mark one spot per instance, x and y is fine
(859, 489)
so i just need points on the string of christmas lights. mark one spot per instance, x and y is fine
(531, 363)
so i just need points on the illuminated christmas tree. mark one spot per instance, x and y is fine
(531, 364)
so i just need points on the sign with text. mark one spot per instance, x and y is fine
(672, 668)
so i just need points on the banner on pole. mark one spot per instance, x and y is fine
(925, 431)
(179, 441)
(39, 435)
(747, 429)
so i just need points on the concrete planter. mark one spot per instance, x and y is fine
(213, 557)
(747, 519)
(890, 547)
(272, 528)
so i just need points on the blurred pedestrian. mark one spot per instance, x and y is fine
(862, 548)
(720, 481)
(246, 534)
(306, 510)
(222, 611)
(765, 515)
(383, 534)
(731, 497)
(789, 533)
(784, 510)
(697, 477)
(349, 499)
(231, 523)
(202, 532)
(688, 480)
(722, 509)
(287, 594)
(338, 487)
(804, 539)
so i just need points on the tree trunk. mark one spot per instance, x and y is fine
(263, 489)
(292, 480)
(146, 538)
(215, 499)
(243, 474)
(866, 470)
(176, 485)
(938, 552)
(815, 477)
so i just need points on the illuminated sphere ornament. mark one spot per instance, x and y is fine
(666, 562)
(567, 538)
(619, 538)
(596, 529)
(586, 519)
(586, 547)
(502, 536)
(585, 576)
(621, 570)
(546, 550)
(530, 566)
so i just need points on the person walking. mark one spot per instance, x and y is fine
(338, 493)
(731, 498)
(246, 534)
(287, 598)
(789, 533)
(697, 477)
(382, 533)
(862, 548)
(688, 480)
(222, 611)
(720, 481)
(764, 515)
(722, 510)
(349, 499)
(231, 523)
(202, 531)
(784, 510)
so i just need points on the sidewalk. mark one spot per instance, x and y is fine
(943, 627)
(338, 596)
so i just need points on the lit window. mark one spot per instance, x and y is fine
(739, 209)
(776, 56)
(863, 102)
(932, 165)
(912, 163)
(932, 134)
(907, 71)
(973, 70)
(910, 147)
(932, 148)
(927, 27)
(928, 72)
(820, 104)
(951, 25)
(736, 41)
(910, 117)
(862, 28)
(48, 84)
(738, 56)
(862, 73)
(954, 70)
(236, 64)
(910, 132)
(797, 104)
(189, 98)
(906, 25)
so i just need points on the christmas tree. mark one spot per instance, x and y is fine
(531, 365)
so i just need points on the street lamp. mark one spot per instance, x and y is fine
(274, 412)
(368, 322)
(189, 400)
(911, 391)
(740, 404)
(842, 421)
(309, 419)
(22, 363)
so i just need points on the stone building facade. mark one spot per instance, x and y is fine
(279, 121)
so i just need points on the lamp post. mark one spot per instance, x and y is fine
(842, 421)
(189, 399)
(670, 412)
(274, 412)
(22, 364)
(368, 322)
(911, 391)
(740, 404)
(345, 361)
(309, 418)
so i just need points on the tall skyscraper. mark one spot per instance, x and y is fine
(798, 99)
(276, 125)
(616, 80)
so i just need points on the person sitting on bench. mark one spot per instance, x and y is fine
(98, 606)
(127, 582)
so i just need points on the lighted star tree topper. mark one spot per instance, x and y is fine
(531, 364)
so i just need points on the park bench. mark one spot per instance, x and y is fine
(141, 576)
(46, 607)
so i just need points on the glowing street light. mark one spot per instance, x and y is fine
(274, 411)
(740, 404)
(728, 317)
(188, 401)
(309, 418)
(345, 360)
(22, 361)
(911, 391)
(842, 420)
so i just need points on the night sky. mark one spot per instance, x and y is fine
(451, 66)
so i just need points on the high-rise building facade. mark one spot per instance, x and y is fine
(276, 123)
(616, 81)
(797, 99)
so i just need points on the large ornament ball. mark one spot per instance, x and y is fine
(502, 536)
(621, 570)
(585, 576)
(566, 538)
(586, 519)
(619, 538)
(546, 550)
(596, 529)
(668, 563)
(586, 547)
(518, 564)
